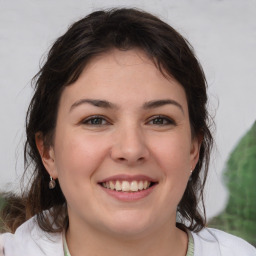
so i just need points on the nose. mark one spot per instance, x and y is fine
(129, 146)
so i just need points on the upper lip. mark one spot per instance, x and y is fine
(125, 177)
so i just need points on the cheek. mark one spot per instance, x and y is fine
(173, 157)
(172, 153)
(78, 156)
(77, 159)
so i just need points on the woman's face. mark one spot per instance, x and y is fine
(122, 150)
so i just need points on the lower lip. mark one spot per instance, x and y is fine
(129, 196)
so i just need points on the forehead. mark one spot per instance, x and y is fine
(122, 77)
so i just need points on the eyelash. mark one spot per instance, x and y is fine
(93, 118)
(99, 119)
(165, 120)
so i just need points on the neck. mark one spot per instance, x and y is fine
(167, 240)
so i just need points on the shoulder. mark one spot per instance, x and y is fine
(220, 243)
(30, 240)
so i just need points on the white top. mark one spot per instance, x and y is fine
(30, 240)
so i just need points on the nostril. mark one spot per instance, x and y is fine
(122, 159)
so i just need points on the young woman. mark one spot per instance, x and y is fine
(118, 138)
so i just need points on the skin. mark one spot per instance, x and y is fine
(126, 139)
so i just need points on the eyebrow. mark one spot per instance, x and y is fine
(160, 103)
(107, 104)
(96, 103)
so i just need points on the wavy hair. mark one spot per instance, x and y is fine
(97, 33)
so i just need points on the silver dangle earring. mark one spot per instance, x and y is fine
(52, 183)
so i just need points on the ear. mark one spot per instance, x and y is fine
(195, 150)
(47, 155)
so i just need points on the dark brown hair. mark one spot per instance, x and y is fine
(97, 33)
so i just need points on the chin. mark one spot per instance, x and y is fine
(130, 226)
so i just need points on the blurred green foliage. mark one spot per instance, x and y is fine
(239, 217)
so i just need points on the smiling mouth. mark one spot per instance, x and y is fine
(127, 186)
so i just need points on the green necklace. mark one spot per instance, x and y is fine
(190, 251)
(65, 246)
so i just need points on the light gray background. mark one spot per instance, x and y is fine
(223, 34)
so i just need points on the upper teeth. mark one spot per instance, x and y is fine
(126, 186)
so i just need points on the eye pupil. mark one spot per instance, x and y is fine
(158, 121)
(96, 121)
